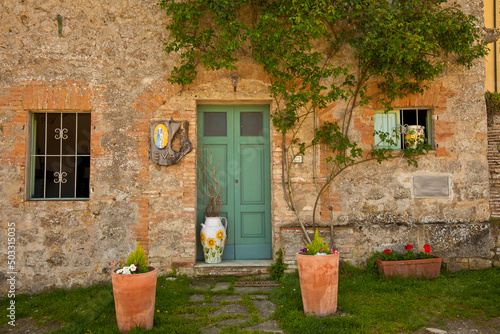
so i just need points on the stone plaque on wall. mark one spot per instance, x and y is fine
(162, 134)
(431, 186)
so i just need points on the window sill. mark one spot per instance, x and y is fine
(58, 200)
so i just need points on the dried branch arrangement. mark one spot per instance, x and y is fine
(209, 187)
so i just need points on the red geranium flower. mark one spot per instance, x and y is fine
(387, 251)
(427, 248)
(408, 247)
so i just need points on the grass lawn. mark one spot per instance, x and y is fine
(367, 303)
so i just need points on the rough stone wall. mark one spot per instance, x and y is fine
(462, 246)
(109, 54)
(109, 62)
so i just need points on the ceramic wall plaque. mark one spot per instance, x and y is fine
(162, 135)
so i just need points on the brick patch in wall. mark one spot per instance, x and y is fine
(494, 169)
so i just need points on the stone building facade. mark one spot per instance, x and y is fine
(105, 59)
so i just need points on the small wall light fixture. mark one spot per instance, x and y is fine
(234, 80)
(59, 24)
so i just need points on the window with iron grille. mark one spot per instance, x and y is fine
(396, 122)
(60, 156)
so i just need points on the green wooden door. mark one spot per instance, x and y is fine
(238, 137)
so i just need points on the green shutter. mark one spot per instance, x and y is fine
(428, 127)
(387, 122)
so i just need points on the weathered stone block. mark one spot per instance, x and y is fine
(477, 263)
(460, 240)
(454, 265)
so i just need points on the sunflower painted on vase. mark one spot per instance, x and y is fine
(213, 238)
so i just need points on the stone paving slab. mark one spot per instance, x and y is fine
(258, 297)
(232, 309)
(265, 307)
(196, 298)
(252, 289)
(200, 285)
(231, 322)
(207, 305)
(230, 298)
(270, 326)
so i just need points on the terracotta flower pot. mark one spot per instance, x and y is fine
(319, 280)
(428, 268)
(134, 299)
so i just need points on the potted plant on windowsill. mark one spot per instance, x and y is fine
(409, 264)
(213, 233)
(319, 275)
(134, 290)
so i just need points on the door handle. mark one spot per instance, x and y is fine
(236, 181)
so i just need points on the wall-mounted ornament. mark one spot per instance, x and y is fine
(59, 24)
(162, 135)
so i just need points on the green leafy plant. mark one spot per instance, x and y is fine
(319, 53)
(317, 246)
(136, 263)
(174, 272)
(278, 268)
(492, 105)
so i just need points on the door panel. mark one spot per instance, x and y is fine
(252, 224)
(252, 174)
(242, 144)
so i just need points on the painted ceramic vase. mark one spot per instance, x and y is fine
(413, 135)
(213, 238)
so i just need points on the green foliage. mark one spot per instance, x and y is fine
(492, 104)
(319, 52)
(404, 42)
(138, 257)
(278, 268)
(174, 272)
(317, 245)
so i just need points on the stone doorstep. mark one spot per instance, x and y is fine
(233, 268)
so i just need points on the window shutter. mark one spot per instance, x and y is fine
(388, 122)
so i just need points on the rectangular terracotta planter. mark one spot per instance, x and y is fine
(426, 268)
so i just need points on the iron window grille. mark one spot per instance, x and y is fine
(60, 156)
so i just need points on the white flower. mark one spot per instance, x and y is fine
(124, 271)
(320, 253)
(132, 267)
